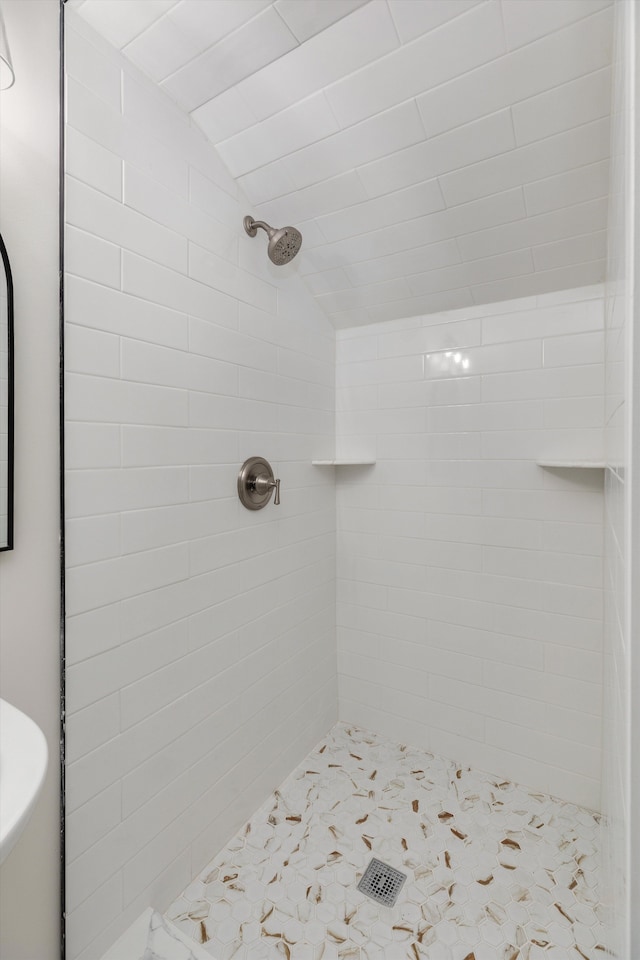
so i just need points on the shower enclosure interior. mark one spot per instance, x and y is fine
(408, 648)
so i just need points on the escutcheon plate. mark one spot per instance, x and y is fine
(256, 483)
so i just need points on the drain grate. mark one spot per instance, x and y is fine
(382, 883)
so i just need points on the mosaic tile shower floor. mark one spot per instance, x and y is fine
(495, 872)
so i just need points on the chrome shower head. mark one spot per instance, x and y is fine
(283, 243)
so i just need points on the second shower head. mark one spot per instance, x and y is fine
(284, 242)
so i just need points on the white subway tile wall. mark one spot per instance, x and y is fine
(201, 637)
(620, 384)
(469, 577)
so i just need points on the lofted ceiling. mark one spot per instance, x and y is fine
(434, 153)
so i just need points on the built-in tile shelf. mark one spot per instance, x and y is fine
(572, 464)
(343, 463)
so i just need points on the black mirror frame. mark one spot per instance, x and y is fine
(10, 398)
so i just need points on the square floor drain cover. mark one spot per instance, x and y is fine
(382, 883)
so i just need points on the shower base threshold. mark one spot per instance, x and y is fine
(494, 871)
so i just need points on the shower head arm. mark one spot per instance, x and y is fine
(251, 225)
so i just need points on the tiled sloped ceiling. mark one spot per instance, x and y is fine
(434, 153)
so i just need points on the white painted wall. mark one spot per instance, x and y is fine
(29, 576)
(621, 765)
(469, 578)
(201, 636)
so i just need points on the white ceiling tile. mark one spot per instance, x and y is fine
(572, 221)
(364, 296)
(458, 148)
(544, 158)
(321, 260)
(310, 231)
(367, 246)
(205, 23)
(444, 225)
(564, 107)
(466, 42)
(512, 264)
(256, 43)
(417, 306)
(283, 210)
(413, 19)
(292, 129)
(416, 201)
(308, 18)
(499, 208)
(538, 283)
(349, 319)
(357, 174)
(268, 182)
(527, 20)
(515, 263)
(361, 144)
(591, 246)
(320, 198)
(431, 257)
(543, 65)
(582, 183)
(224, 115)
(328, 282)
(358, 39)
(122, 20)
(161, 49)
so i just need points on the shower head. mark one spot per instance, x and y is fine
(283, 243)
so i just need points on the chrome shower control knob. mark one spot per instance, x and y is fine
(256, 483)
(264, 484)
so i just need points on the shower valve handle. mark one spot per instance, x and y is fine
(264, 483)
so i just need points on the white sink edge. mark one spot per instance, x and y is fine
(23, 765)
